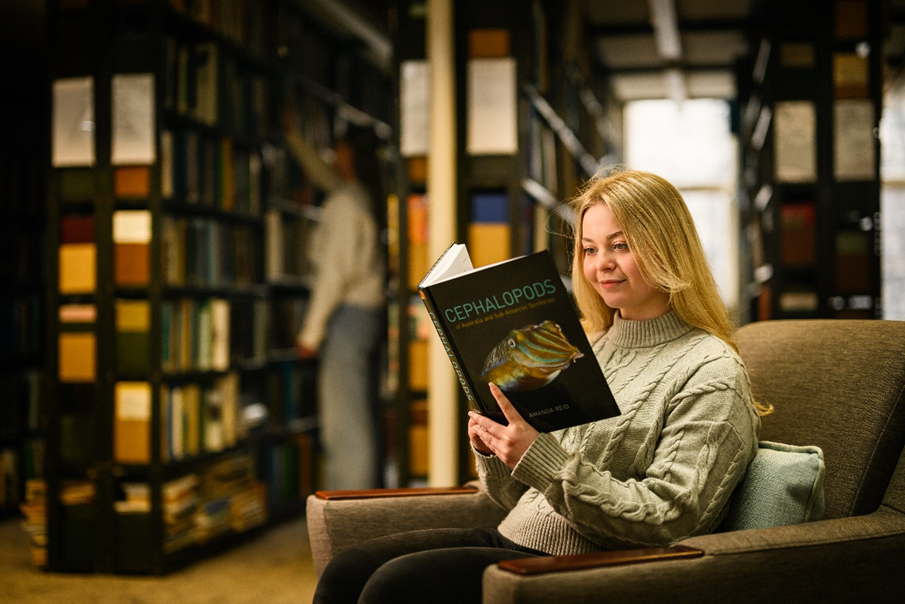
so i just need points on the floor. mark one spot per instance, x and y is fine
(275, 567)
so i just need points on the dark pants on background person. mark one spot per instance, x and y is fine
(435, 565)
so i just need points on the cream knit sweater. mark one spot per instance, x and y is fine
(348, 266)
(661, 471)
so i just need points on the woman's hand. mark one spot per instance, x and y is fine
(508, 443)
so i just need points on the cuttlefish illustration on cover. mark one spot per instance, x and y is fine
(529, 358)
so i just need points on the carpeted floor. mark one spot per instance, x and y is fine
(275, 568)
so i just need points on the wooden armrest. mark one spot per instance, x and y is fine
(555, 564)
(383, 493)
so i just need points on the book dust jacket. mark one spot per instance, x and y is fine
(514, 324)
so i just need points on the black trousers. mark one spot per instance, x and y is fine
(435, 565)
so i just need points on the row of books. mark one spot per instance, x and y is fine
(78, 251)
(198, 507)
(195, 418)
(34, 510)
(306, 47)
(195, 334)
(236, 20)
(203, 82)
(542, 155)
(489, 231)
(195, 337)
(287, 246)
(208, 252)
(197, 252)
(289, 394)
(289, 471)
(200, 169)
(201, 334)
(200, 418)
(211, 415)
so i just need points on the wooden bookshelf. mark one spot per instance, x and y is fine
(810, 102)
(179, 415)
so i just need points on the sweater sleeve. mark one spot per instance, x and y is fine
(336, 262)
(707, 440)
(497, 480)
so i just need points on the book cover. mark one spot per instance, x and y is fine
(132, 429)
(132, 247)
(133, 337)
(77, 255)
(513, 324)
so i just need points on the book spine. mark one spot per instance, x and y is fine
(471, 393)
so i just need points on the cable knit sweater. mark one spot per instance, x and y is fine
(661, 471)
(345, 252)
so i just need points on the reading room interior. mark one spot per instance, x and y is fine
(268, 265)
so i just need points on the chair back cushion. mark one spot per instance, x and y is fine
(783, 485)
(838, 385)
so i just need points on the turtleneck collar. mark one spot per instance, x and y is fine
(641, 334)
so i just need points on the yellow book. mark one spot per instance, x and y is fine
(488, 242)
(77, 357)
(418, 365)
(78, 268)
(192, 424)
(132, 429)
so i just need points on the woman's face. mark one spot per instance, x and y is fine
(609, 265)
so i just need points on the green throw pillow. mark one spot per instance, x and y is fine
(783, 485)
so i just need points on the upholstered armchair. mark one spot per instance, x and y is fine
(838, 386)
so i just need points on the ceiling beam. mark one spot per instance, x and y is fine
(669, 46)
(685, 26)
(691, 69)
(666, 29)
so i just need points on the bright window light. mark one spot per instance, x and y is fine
(892, 202)
(692, 146)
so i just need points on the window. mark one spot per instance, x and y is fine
(692, 146)
(892, 202)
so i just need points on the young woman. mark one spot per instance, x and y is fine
(661, 471)
(345, 312)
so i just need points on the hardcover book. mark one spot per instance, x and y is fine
(513, 323)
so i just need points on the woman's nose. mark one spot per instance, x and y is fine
(604, 260)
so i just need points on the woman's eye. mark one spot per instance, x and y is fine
(588, 251)
(620, 246)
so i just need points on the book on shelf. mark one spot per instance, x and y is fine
(132, 247)
(489, 233)
(132, 425)
(513, 323)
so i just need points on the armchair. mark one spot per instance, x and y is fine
(839, 385)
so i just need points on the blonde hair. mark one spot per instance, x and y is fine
(664, 241)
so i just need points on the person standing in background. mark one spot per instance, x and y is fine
(345, 315)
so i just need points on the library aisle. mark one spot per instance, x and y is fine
(274, 567)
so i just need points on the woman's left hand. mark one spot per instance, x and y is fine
(510, 442)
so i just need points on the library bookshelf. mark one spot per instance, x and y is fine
(179, 417)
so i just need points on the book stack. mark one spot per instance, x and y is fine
(77, 492)
(180, 502)
(137, 501)
(34, 508)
